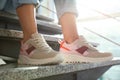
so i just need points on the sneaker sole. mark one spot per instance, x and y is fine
(70, 58)
(24, 60)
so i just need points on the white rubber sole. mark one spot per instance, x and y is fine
(24, 60)
(2, 62)
(7, 58)
(72, 58)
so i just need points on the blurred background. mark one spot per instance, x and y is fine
(98, 21)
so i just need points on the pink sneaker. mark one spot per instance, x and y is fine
(36, 51)
(80, 51)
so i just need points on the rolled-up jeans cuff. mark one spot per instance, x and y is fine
(17, 3)
(65, 6)
(67, 10)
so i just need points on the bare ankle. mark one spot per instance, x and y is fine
(25, 39)
(27, 36)
(71, 40)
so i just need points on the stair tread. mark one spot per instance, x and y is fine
(42, 25)
(45, 18)
(34, 72)
(19, 34)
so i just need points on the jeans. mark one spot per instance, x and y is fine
(62, 6)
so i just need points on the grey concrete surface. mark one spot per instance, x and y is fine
(45, 27)
(57, 71)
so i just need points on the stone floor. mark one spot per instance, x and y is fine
(15, 72)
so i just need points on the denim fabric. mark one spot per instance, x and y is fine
(62, 6)
(17, 3)
(2, 4)
(11, 5)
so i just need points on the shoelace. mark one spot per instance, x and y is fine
(40, 43)
(84, 42)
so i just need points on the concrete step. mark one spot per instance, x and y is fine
(10, 21)
(44, 18)
(10, 42)
(79, 71)
(9, 46)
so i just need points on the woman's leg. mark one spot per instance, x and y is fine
(34, 49)
(27, 18)
(67, 13)
(68, 21)
(76, 46)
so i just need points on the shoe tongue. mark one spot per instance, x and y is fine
(34, 35)
(37, 35)
(84, 42)
(82, 39)
(77, 43)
